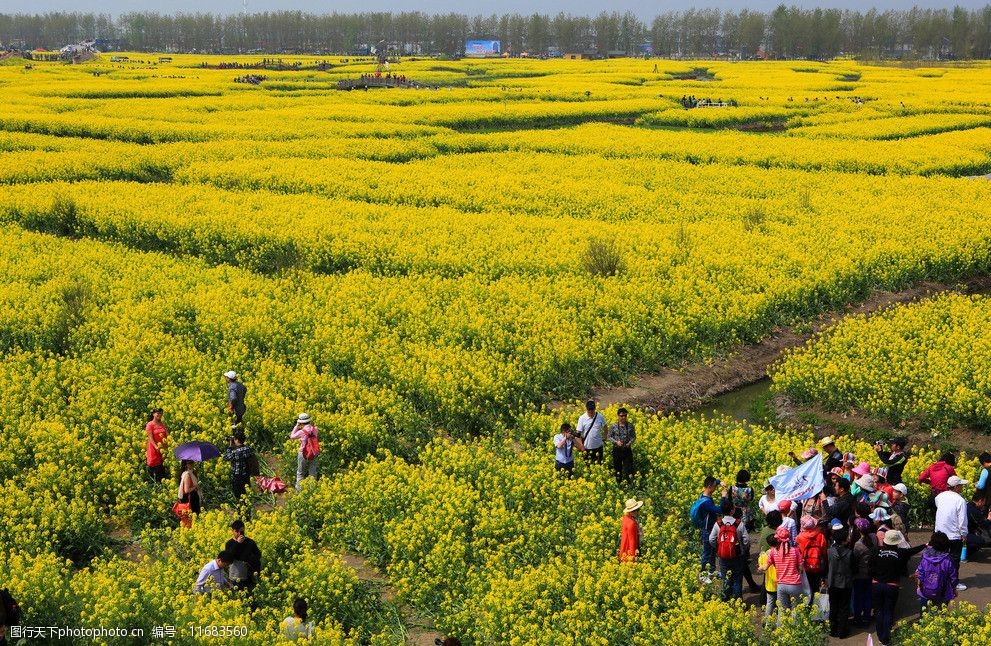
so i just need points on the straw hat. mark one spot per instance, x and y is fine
(893, 537)
(826, 441)
(303, 418)
(632, 505)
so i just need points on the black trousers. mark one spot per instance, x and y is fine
(622, 462)
(956, 551)
(593, 455)
(238, 485)
(839, 612)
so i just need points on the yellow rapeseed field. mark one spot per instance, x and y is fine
(413, 267)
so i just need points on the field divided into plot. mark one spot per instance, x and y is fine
(409, 264)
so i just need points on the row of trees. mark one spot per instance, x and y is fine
(785, 32)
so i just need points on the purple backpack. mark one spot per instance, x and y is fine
(931, 579)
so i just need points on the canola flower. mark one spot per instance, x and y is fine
(924, 361)
(407, 267)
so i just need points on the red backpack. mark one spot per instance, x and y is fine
(727, 545)
(815, 556)
(311, 447)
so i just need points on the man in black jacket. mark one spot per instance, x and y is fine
(247, 557)
(894, 459)
(844, 505)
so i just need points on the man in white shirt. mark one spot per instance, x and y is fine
(212, 575)
(951, 519)
(591, 427)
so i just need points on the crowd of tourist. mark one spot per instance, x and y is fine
(847, 542)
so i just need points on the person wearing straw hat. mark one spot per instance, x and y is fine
(888, 566)
(951, 519)
(631, 533)
(235, 396)
(832, 456)
(307, 461)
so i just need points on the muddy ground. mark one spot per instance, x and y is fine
(672, 390)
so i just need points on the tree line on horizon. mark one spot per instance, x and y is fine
(785, 32)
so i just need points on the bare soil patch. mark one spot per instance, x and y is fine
(672, 390)
(419, 629)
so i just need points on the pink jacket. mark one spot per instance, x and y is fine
(302, 433)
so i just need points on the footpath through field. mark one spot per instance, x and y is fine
(976, 575)
(671, 390)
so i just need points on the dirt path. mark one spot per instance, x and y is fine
(976, 575)
(419, 629)
(672, 390)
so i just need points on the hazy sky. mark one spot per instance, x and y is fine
(643, 8)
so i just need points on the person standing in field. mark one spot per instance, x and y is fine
(900, 507)
(565, 444)
(307, 460)
(189, 486)
(951, 519)
(236, 393)
(742, 496)
(767, 502)
(894, 459)
(770, 579)
(936, 578)
(787, 561)
(622, 434)
(238, 455)
(832, 456)
(936, 476)
(296, 627)
(704, 514)
(811, 543)
(591, 428)
(157, 434)
(984, 480)
(839, 580)
(246, 563)
(888, 566)
(730, 540)
(631, 533)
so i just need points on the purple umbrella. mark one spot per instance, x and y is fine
(196, 451)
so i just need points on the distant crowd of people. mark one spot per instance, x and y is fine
(689, 102)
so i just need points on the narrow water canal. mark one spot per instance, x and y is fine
(738, 403)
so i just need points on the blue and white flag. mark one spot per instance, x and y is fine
(800, 483)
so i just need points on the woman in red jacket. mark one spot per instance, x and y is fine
(629, 540)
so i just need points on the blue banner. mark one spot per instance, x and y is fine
(800, 483)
